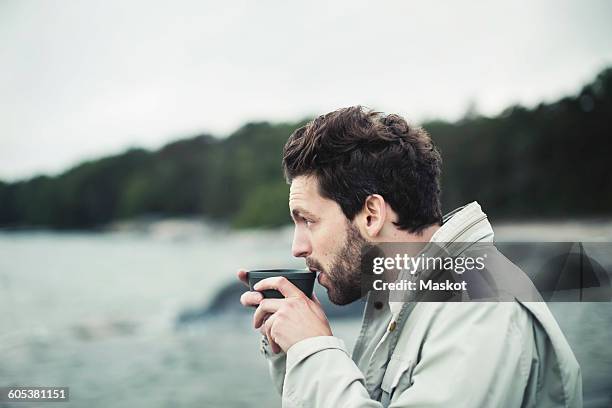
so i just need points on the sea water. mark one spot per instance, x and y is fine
(97, 312)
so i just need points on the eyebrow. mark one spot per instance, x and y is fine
(299, 212)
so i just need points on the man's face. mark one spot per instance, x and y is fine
(330, 243)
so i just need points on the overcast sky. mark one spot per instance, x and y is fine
(81, 79)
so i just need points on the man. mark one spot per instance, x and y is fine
(357, 178)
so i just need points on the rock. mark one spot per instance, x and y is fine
(227, 301)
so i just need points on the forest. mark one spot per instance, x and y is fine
(547, 161)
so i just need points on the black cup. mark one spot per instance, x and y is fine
(303, 279)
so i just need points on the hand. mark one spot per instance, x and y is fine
(252, 299)
(292, 319)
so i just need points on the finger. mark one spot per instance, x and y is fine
(281, 284)
(266, 307)
(267, 327)
(262, 329)
(243, 276)
(251, 299)
(268, 331)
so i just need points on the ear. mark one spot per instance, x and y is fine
(374, 214)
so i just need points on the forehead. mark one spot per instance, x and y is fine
(304, 196)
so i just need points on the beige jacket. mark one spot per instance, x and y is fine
(474, 354)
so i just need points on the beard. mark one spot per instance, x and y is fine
(344, 274)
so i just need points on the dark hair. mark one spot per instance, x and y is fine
(354, 152)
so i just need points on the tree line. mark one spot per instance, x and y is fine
(542, 162)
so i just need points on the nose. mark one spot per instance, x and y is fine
(301, 247)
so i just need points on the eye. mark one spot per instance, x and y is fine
(308, 222)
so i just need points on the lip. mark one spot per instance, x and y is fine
(319, 277)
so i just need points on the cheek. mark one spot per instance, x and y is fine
(327, 243)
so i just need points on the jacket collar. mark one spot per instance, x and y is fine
(460, 229)
(467, 224)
